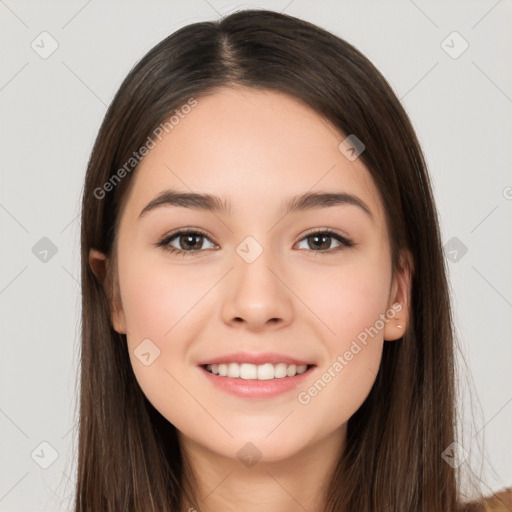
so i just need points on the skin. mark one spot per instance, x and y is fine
(255, 149)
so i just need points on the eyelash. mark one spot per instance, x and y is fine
(164, 242)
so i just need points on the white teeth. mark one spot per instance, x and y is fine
(280, 370)
(248, 371)
(301, 369)
(267, 371)
(233, 370)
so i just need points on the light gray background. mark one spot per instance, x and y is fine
(51, 111)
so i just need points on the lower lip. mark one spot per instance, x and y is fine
(253, 388)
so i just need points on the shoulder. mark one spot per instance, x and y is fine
(499, 502)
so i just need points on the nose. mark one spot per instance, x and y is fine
(257, 295)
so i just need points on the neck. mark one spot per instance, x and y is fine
(296, 483)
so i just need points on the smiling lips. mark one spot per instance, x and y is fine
(249, 366)
(256, 376)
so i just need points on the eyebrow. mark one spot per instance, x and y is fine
(208, 202)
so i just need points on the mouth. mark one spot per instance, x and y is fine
(257, 375)
(248, 371)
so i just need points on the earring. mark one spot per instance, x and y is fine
(399, 326)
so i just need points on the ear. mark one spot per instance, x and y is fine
(399, 299)
(99, 264)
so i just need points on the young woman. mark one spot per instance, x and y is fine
(266, 318)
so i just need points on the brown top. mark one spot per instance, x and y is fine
(499, 502)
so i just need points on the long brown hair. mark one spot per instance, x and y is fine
(129, 457)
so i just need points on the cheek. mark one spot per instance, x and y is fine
(161, 305)
(346, 299)
(166, 305)
(349, 300)
(156, 298)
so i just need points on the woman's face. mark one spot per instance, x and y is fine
(257, 282)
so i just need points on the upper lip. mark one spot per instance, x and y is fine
(256, 359)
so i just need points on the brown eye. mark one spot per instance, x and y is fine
(191, 241)
(184, 242)
(321, 241)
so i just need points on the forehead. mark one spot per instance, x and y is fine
(254, 148)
